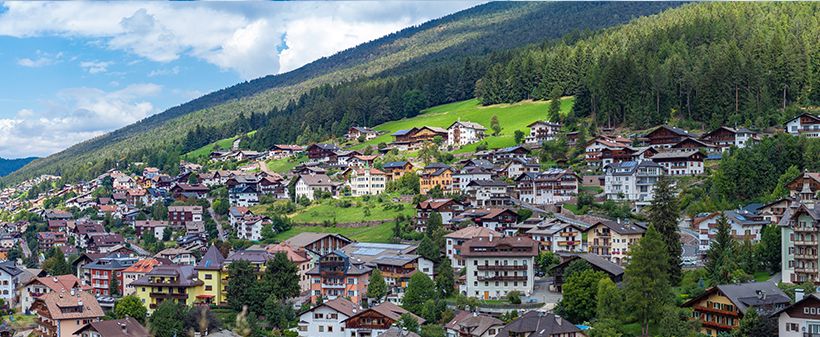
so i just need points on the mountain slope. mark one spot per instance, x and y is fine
(10, 165)
(474, 32)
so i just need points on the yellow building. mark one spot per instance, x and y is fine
(612, 240)
(436, 174)
(168, 282)
(209, 271)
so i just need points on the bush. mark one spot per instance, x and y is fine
(514, 297)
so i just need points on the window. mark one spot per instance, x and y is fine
(333, 316)
(318, 316)
(208, 288)
(208, 276)
(143, 288)
(329, 328)
(351, 281)
(351, 293)
(321, 328)
(303, 328)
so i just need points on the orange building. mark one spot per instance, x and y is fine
(436, 174)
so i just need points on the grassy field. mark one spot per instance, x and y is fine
(377, 234)
(206, 150)
(511, 117)
(321, 213)
(761, 276)
(285, 164)
(315, 229)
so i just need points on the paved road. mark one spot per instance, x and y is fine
(26, 250)
(690, 251)
(213, 216)
(542, 293)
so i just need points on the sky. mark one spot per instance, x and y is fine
(71, 71)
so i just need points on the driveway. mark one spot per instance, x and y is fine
(541, 291)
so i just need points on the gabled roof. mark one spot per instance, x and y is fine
(212, 260)
(305, 239)
(326, 147)
(297, 256)
(54, 301)
(677, 131)
(58, 283)
(745, 295)
(474, 323)
(471, 232)
(316, 179)
(9, 267)
(622, 228)
(389, 311)
(539, 324)
(125, 327)
(595, 260)
(547, 123)
(435, 204)
(340, 304)
(471, 125)
(812, 116)
(395, 164)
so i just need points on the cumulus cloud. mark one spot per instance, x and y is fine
(96, 66)
(245, 37)
(80, 114)
(27, 62)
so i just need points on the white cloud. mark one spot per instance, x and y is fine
(114, 83)
(43, 61)
(96, 66)
(81, 114)
(172, 71)
(241, 37)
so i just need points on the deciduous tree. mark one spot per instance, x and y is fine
(131, 306)
(421, 289)
(377, 288)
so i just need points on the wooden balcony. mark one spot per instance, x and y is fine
(805, 229)
(493, 267)
(806, 256)
(42, 323)
(805, 243)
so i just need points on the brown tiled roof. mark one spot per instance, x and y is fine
(306, 238)
(340, 304)
(477, 324)
(56, 300)
(515, 242)
(435, 203)
(471, 232)
(63, 282)
(126, 327)
(391, 311)
(539, 324)
(142, 266)
(293, 254)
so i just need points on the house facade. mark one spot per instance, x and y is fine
(336, 276)
(368, 181)
(613, 240)
(463, 133)
(542, 131)
(498, 265)
(632, 181)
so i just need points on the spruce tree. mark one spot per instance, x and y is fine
(664, 211)
(433, 223)
(428, 249)
(445, 282)
(113, 285)
(554, 111)
(377, 288)
(241, 279)
(647, 281)
(282, 277)
(421, 289)
(722, 246)
(60, 266)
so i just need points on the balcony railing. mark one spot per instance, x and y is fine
(806, 243)
(569, 243)
(805, 229)
(502, 278)
(607, 234)
(492, 267)
(42, 323)
(99, 276)
(715, 311)
(569, 234)
(333, 285)
(806, 256)
(806, 270)
(169, 295)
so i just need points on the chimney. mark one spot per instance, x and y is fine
(798, 295)
(558, 319)
(491, 237)
(124, 328)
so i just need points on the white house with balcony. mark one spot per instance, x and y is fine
(326, 319)
(632, 181)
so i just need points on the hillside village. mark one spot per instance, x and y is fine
(498, 242)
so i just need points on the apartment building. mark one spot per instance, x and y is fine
(497, 219)
(336, 275)
(498, 265)
(167, 283)
(326, 319)
(721, 308)
(456, 239)
(632, 181)
(48, 240)
(299, 257)
(178, 216)
(542, 131)
(744, 225)
(463, 133)
(60, 314)
(681, 163)
(38, 286)
(548, 187)
(447, 208)
(487, 193)
(612, 240)
(368, 181)
(436, 174)
(101, 271)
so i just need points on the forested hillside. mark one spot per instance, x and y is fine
(710, 64)
(10, 165)
(477, 32)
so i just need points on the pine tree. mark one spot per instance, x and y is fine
(282, 277)
(718, 248)
(113, 285)
(428, 249)
(445, 282)
(581, 141)
(554, 111)
(433, 224)
(664, 212)
(241, 280)
(421, 289)
(647, 281)
(60, 266)
(377, 288)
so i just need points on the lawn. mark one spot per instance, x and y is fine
(594, 189)
(511, 117)
(314, 229)
(379, 234)
(285, 164)
(761, 276)
(206, 150)
(493, 142)
(320, 213)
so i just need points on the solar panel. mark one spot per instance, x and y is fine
(368, 251)
(382, 245)
(207, 263)
(395, 257)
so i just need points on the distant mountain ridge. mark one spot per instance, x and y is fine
(476, 32)
(8, 166)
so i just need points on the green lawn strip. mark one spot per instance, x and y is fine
(314, 229)
(595, 189)
(206, 150)
(493, 142)
(378, 234)
(762, 276)
(572, 208)
(323, 212)
(634, 329)
(511, 117)
(285, 164)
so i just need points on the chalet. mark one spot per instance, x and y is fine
(805, 186)
(326, 319)
(686, 163)
(459, 237)
(299, 257)
(463, 133)
(516, 166)
(548, 187)
(447, 208)
(39, 285)
(595, 147)
(48, 240)
(308, 184)
(235, 213)
(355, 131)
(343, 157)
(134, 196)
(633, 181)
(466, 174)
(321, 152)
(744, 225)
(414, 137)
(275, 186)
(335, 275)
(190, 190)
(542, 131)
(250, 227)
(396, 169)
(436, 174)
(244, 196)
(510, 153)
(284, 150)
(666, 136)
(164, 182)
(721, 308)
(614, 271)
(104, 243)
(249, 155)
(486, 193)
(496, 219)
(61, 314)
(178, 256)
(221, 177)
(801, 316)
(124, 327)
(207, 179)
(55, 214)
(806, 123)
(774, 211)
(318, 243)
(83, 232)
(554, 235)
(692, 144)
(193, 242)
(114, 210)
(499, 265)
(471, 324)
(613, 239)
(536, 323)
(9, 281)
(374, 321)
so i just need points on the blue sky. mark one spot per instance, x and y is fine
(72, 71)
